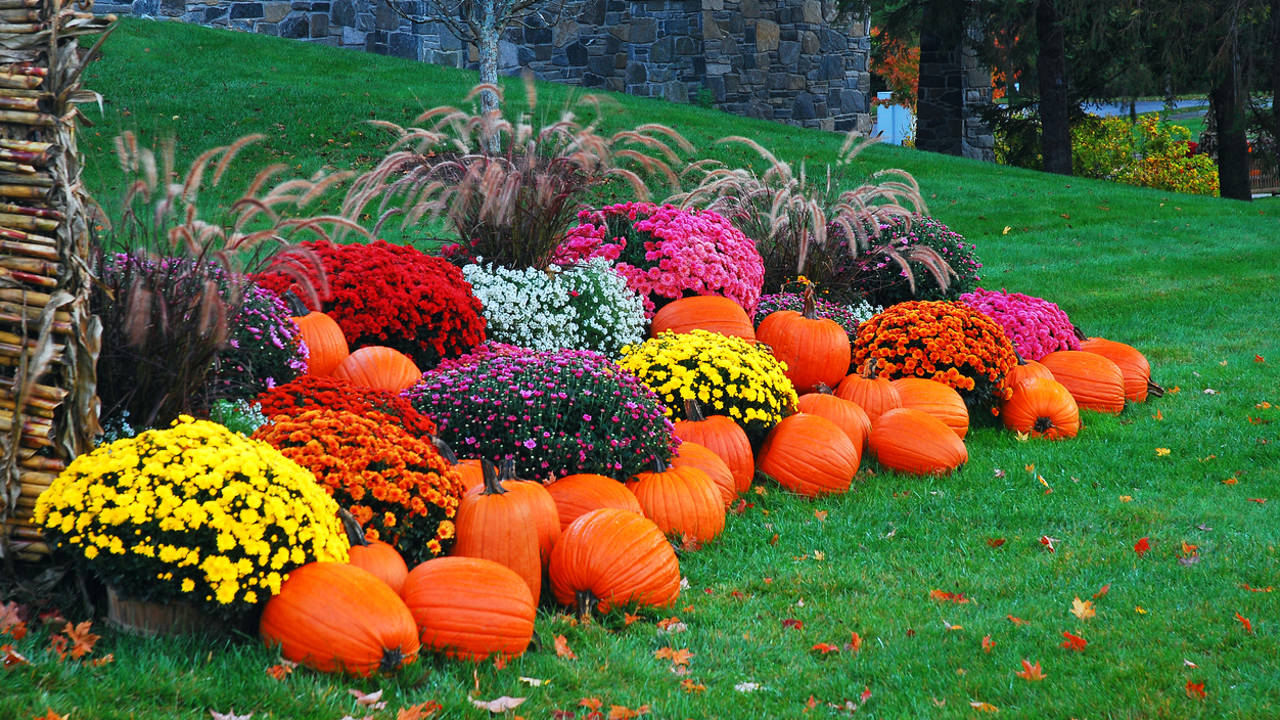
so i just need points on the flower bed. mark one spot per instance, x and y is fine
(194, 513)
(1036, 327)
(311, 392)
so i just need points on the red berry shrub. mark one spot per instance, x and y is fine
(397, 296)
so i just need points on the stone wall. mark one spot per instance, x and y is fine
(782, 60)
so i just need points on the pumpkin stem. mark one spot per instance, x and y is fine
(693, 411)
(1079, 333)
(869, 369)
(508, 471)
(1043, 424)
(660, 465)
(297, 308)
(586, 604)
(1153, 389)
(492, 486)
(445, 451)
(823, 389)
(392, 659)
(355, 535)
(810, 306)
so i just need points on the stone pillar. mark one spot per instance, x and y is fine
(979, 142)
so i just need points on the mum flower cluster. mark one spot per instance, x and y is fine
(1036, 326)
(392, 295)
(726, 375)
(192, 512)
(552, 412)
(667, 253)
(944, 341)
(581, 307)
(848, 315)
(883, 281)
(397, 486)
(264, 347)
(312, 392)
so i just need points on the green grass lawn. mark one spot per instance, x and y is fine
(1194, 282)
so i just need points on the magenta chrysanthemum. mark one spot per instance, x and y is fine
(666, 253)
(1036, 326)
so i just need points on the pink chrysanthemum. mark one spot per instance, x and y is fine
(1036, 326)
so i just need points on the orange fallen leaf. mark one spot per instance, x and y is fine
(855, 642)
(82, 640)
(689, 686)
(677, 657)
(420, 711)
(622, 712)
(1017, 620)
(1139, 609)
(987, 643)
(672, 625)
(1259, 359)
(1126, 498)
(1142, 546)
(50, 715)
(1102, 591)
(1248, 626)
(104, 660)
(820, 514)
(995, 542)
(499, 662)
(1159, 415)
(793, 623)
(944, 596)
(1195, 690)
(1048, 542)
(1230, 481)
(1082, 609)
(279, 672)
(984, 707)
(562, 648)
(825, 648)
(1246, 586)
(591, 703)
(1030, 672)
(10, 657)
(1074, 642)
(1260, 501)
(629, 618)
(1161, 452)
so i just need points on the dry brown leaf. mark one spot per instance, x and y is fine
(499, 704)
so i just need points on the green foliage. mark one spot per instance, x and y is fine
(1151, 153)
(242, 416)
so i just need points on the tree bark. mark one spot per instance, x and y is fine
(940, 102)
(1275, 75)
(1051, 67)
(488, 50)
(1233, 146)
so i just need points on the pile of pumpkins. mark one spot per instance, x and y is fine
(599, 543)
(374, 366)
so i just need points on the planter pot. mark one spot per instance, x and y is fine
(141, 617)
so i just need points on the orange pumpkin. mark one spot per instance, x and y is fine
(937, 399)
(875, 395)
(1025, 370)
(1132, 363)
(1095, 382)
(610, 557)
(846, 414)
(1042, 408)
(470, 608)
(500, 522)
(703, 312)
(326, 345)
(380, 368)
(809, 455)
(336, 617)
(816, 350)
(722, 436)
(915, 442)
(379, 558)
(682, 501)
(691, 454)
(576, 495)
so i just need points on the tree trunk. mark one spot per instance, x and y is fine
(1233, 146)
(488, 48)
(1275, 76)
(1051, 67)
(940, 102)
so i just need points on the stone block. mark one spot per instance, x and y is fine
(352, 36)
(686, 46)
(152, 8)
(319, 23)
(537, 36)
(762, 60)
(343, 13)
(749, 9)
(663, 50)
(265, 28)
(636, 73)
(832, 41)
(590, 79)
(675, 91)
(508, 54)
(239, 11)
(766, 35)
(384, 18)
(643, 30)
(172, 8)
(524, 56)
(811, 12)
(274, 11)
(788, 53)
(832, 68)
(796, 82)
(565, 32)
(615, 84)
(403, 44)
(576, 54)
(295, 26)
(449, 41)
(710, 28)
(737, 25)
(621, 31)
(364, 22)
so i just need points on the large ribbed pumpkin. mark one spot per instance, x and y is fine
(1094, 381)
(846, 414)
(1042, 408)
(915, 442)
(380, 368)
(682, 501)
(722, 436)
(816, 350)
(875, 395)
(541, 506)
(500, 522)
(703, 312)
(326, 345)
(1132, 363)
(935, 398)
(1025, 370)
(470, 608)
(691, 454)
(809, 455)
(576, 495)
(613, 557)
(336, 617)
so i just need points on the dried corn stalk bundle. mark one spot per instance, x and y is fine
(48, 338)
